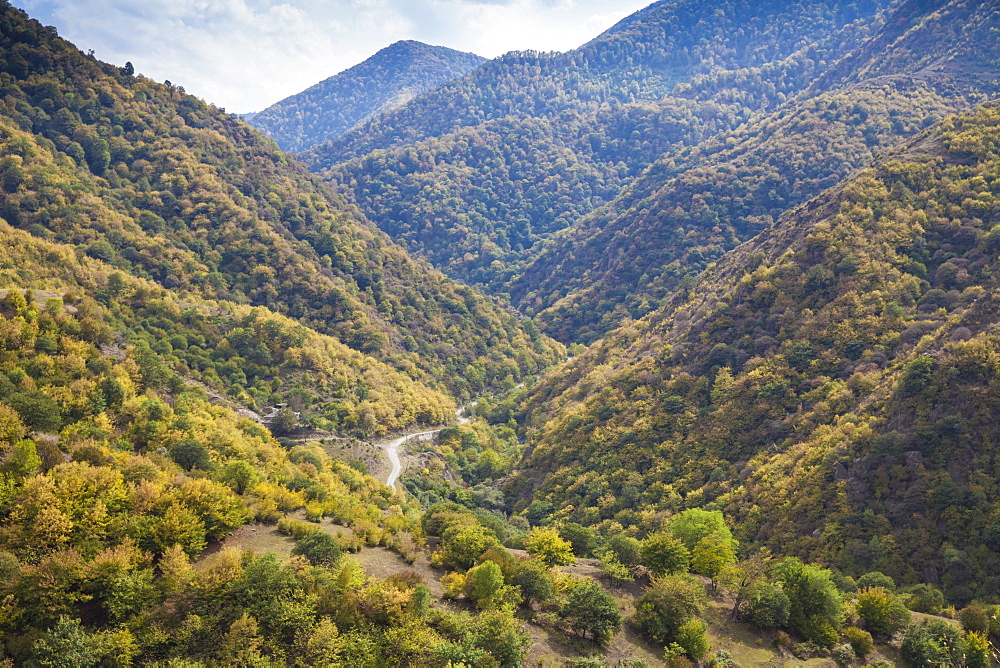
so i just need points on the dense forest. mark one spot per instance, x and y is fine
(687, 210)
(828, 385)
(387, 80)
(165, 187)
(768, 231)
(477, 174)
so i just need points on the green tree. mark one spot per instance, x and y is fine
(483, 583)
(319, 547)
(626, 549)
(535, 581)
(667, 605)
(190, 454)
(583, 540)
(691, 525)
(664, 553)
(767, 606)
(590, 609)
(937, 643)
(711, 554)
(545, 544)
(815, 606)
(693, 637)
(881, 612)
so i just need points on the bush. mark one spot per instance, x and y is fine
(590, 609)
(583, 540)
(664, 554)
(319, 547)
(876, 579)
(843, 655)
(627, 550)
(923, 598)
(693, 638)
(546, 544)
(976, 647)
(766, 607)
(974, 618)
(861, 641)
(881, 612)
(667, 605)
(190, 454)
(936, 644)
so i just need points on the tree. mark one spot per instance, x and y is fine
(691, 525)
(190, 454)
(669, 602)
(590, 609)
(535, 581)
(766, 606)
(483, 583)
(881, 612)
(815, 607)
(501, 635)
(711, 554)
(937, 643)
(319, 547)
(583, 540)
(664, 554)
(693, 637)
(740, 577)
(627, 550)
(545, 544)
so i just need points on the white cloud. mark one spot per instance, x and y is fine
(247, 54)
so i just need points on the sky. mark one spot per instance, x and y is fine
(244, 55)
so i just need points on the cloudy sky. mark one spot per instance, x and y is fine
(247, 54)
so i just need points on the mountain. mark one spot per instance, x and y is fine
(162, 186)
(830, 384)
(388, 80)
(682, 214)
(480, 173)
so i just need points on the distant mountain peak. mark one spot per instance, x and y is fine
(389, 79)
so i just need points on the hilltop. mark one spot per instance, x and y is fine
(388, 80)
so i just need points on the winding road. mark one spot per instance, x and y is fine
(392, 448)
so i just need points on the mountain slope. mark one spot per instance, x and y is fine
(831, 383)
(163, 186)
(389, 79)
(681, 215)
(476, 174)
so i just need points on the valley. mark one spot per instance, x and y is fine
(676, 348)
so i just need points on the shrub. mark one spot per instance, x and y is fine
(936, 644)
(876, 579)
(923, 598)
(546, 545)
(319, 547)
(976, 647)
(861, 641)
(974, 618)
(766, 607)
(843, 655)
(667, 605)
(590, 609)
(881, 612)
(693, 638)
(627, 550)
(664, 554)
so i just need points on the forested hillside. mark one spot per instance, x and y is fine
(389, 79)
(686, 212)
(829, 386)
(163, 186)
(477, 173)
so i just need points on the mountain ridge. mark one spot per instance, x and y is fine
(387, 80)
